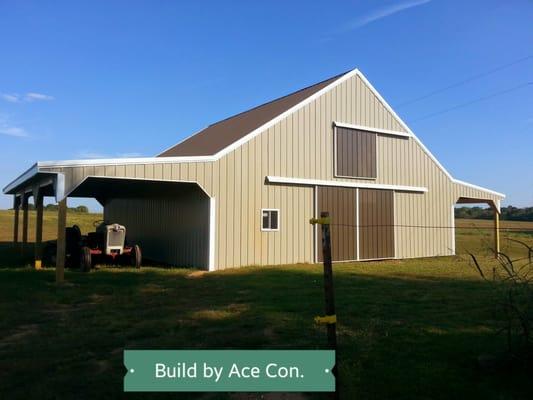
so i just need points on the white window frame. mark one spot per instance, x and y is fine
(263, 229)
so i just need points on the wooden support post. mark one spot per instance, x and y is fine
(25, 198)
(61, 241)
(38, 230)
(16, 207)
(496, 233)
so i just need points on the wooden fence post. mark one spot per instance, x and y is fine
(330, 319)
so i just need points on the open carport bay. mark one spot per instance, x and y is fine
(169, 220)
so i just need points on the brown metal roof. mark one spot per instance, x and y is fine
(221, 134)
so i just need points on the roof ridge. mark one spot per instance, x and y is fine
(282, 97)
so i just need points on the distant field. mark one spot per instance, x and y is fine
(84, 220)
(476, 236)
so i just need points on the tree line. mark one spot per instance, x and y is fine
(509, 213)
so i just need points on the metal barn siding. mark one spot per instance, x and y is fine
(376, 220)
(169, 230)
(341, 203)
(301, 146)
(355, 153)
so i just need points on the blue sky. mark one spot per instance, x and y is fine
(130, 78)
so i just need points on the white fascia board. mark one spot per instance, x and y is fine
(371, 129)
(389, 108)
(283, 115)
(470, 185)
(127, 178)
(212, 233)
(362, 185)
(119, 161)
(30, 173)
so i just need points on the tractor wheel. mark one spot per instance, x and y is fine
(136, 256)
(85, 259)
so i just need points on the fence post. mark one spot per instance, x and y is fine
(330, 319)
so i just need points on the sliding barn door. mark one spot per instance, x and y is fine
(376, 224)
(341, 205)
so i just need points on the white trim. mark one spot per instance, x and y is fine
(394, 224)
(371, 129)
(357, 228)
(315, 229)
(212, 229)
(424, 148)
(137, 179)
(470, 185)
(163, 160)
(453, 230)
(317, 182)
(60, 187)
(402, 123)
(29, 173)
(267, 229)
(115, 161)
(291, 110)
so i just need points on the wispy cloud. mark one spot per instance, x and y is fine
(381, 13)
(12, 98)
(7, 128)
(26, 98)
(37, 97)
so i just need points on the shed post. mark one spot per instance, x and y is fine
(38, 229)
(16, 207)
(61, 245)
(25, 198)
(496, 233)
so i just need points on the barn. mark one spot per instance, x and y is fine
(241, 191)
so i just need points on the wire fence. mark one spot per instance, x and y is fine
(488, 228)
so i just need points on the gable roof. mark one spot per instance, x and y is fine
(219, 135)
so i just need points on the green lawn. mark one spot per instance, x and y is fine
(407, 329)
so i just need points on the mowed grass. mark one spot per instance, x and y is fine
(408, 329)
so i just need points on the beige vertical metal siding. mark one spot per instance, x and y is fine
(171, 230)
(301, 145)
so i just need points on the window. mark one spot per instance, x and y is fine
(269, 219)
(355, 153)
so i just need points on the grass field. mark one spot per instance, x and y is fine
(408, 329)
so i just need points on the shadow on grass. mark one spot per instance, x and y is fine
(16, 255)
(402, 337)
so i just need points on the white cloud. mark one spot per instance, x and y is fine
(37, 97)
(381, 13)
(13, 131)
(9, 129)
(12, 98)
(26, 98)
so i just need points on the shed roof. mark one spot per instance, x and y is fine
(221, 134)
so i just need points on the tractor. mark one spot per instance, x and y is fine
(106, 245)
